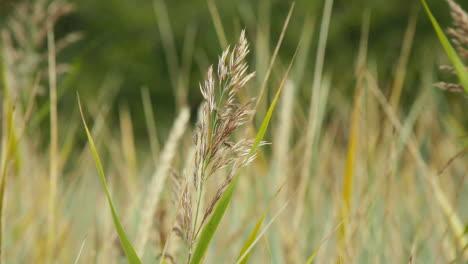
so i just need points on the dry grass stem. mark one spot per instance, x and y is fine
(157, 181)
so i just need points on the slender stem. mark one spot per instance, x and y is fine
(192, 240)
(53, 166)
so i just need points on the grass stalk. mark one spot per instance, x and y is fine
(127, 246)
(273, 58)
(217, 23)
(156, 184)
(54, 159)
(430, 176)
(315, 104)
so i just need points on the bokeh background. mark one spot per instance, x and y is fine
(123, 42)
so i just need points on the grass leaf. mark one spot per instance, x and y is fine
(314, 254)
(251, 239)
(312, 257)
(210, 228)
(264, 230)
(460, 68)
(125, 242)
(8, 132)
(253, 234)
(351, 158)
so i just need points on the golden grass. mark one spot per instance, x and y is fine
(389, 177)
(151, 198)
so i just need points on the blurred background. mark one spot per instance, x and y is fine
(123, 43)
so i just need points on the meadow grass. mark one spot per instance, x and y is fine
(282, 165)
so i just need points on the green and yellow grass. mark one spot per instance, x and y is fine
(351, 175)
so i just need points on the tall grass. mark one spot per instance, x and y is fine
(289, 165)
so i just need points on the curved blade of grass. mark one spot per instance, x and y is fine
(251, 239)
(81, 251)
(312, 257)
(9, 141)
(209, 229)
(264, 230)
(351, 157)
(124, 241)
(314, 254)
(460, 68)
(254, 232)
(217, 23)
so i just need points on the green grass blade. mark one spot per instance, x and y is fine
(253, 234)
(316, 251)
(349, 174)
(312, 257)
(6, 158)
(126, 245)
(460, 68)
(209, 229)
(250, 240)
(264, 230)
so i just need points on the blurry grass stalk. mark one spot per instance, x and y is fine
(318, 102)
(251, 239)
(178, 73)
(8, 142)
(5, 141)
(186, 66)
(281, 149)
(267, 226)
(152, 197)
(351, 157)
(430, 176)
(401, 67)
(322, 242)
(353, 141)
(132, 257)
(262, 40)
(217, 23)
(11, 135)
(80, 251)
(300, 68)
(311, 158)
(54, 159)
(164, 26)
(128, 148)
(150, 124)
(273, 59)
